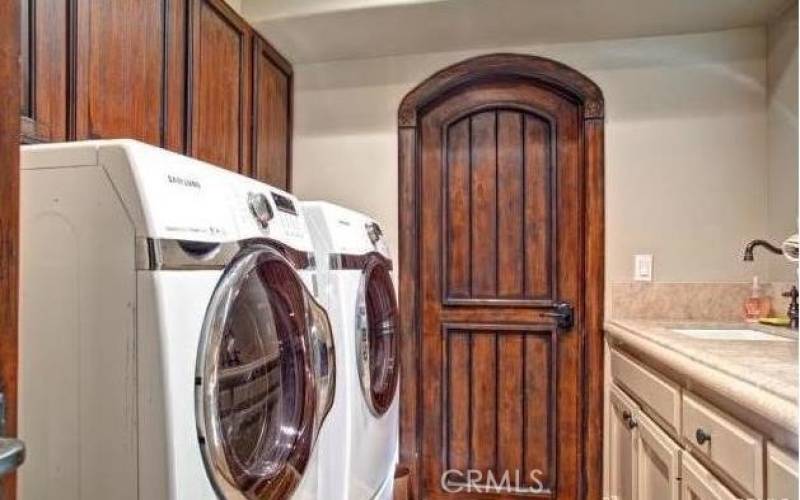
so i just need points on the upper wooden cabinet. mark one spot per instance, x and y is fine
(220, 74)
(190, 76)
(44, 70)
(120, 69)
(272, 90)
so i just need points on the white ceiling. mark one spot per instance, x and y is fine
(324, 30)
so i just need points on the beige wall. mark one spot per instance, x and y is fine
(782, 135)
(236, 4)
(685, 152)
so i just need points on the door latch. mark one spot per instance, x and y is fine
(563, 313)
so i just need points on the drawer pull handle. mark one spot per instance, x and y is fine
(702, 437)
(626, 415)
(632, 423)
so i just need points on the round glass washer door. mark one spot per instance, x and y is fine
(377, 336)
(257, 396)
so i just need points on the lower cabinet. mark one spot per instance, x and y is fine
(623, 442)
(644, 461)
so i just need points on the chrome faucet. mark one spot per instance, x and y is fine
(748, 250)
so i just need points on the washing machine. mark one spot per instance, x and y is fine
(171, 345)
(357, 289)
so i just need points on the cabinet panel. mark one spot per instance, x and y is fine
(120, 69)
(272, 90)
(697, 483)
(623, 449)
(659, 463)
(220, 68)
(44, 52)
(782, 475)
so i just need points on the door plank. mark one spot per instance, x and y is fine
(537, 432)
(537, 219)
(511, 403)
(510, 196)
(483, 398)
(459, 205)
(459, 400)
(483, 160)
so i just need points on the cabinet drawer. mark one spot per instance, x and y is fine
(697, 483)
(735, 448)
(658, 394)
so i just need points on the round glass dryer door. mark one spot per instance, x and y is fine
(377, 336)
(258, 401)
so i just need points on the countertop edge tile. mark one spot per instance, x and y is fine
(643, 337)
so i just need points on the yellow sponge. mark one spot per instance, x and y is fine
(779, 321)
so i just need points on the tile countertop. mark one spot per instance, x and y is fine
(759, 375)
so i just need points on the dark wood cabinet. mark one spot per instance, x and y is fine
(272, 106)
(119, 69)
(190, 76)
(219, 77)
(44, 69)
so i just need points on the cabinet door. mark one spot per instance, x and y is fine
(219, 90)
(121, 69)
(43, 81)
(781, 474)
(623, 446)
(272, 97)
(697, 483)
(658, 471)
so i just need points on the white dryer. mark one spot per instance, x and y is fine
(357, 289)
(170, 346)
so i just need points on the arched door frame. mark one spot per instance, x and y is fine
(563, 79)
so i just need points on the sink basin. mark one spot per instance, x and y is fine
(721, 334)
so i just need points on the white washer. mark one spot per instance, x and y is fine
(170, 347)
(357, 289)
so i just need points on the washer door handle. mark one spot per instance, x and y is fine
(12, 450)
(12, 454)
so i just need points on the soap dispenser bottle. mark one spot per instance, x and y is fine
(756, 306)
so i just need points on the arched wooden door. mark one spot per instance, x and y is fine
(501, 224)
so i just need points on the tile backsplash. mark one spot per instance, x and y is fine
(688, 301)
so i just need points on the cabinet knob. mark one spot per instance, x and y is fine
(628, 419)
(702, 436)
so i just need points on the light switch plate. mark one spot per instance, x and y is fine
(643, 267)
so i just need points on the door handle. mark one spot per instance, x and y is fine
(12, 450)
(563, 313)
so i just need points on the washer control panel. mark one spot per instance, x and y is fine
(260, 208)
